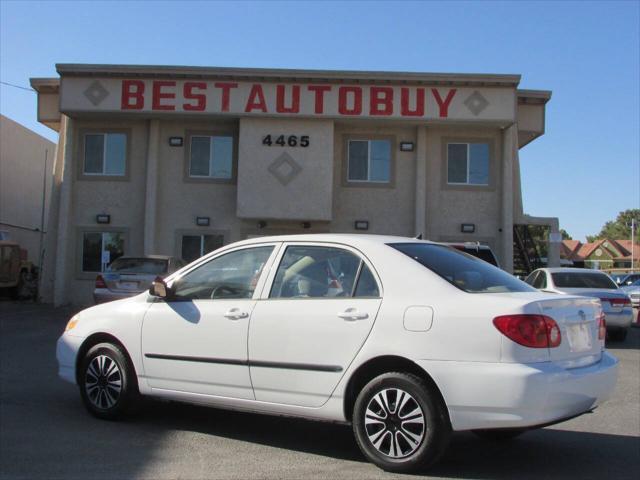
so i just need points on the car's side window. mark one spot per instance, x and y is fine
(366, 286)
(321, 272)
(532, 278)
(542, 280)
(233, 275)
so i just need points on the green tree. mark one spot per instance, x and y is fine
(620, 228)
(565, 234)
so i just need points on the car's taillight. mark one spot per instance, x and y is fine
(602, 327)
(534, 331)
(617, 302)
(100, 283)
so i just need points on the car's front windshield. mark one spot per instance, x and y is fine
(150, 266)
(462, 270)
(583, 280)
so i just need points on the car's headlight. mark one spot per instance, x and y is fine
(71, 323)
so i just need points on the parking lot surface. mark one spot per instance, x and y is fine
(45, 432)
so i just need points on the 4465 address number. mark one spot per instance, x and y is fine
(286, 140)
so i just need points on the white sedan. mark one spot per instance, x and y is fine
(407, 340)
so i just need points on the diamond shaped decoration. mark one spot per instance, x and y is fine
(476, 103)
(284, 168)
(96, 93)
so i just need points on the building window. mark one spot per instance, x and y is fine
(369, 161)
(468, 163)
(99, 249)
(105, 154)
(211, 157)
(195, 246)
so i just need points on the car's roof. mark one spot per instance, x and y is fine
(152, 257)
(571, 270)
(346, 238)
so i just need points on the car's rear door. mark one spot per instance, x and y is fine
(317, 308)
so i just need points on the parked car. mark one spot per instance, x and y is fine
(633, 291)
(616, 304)
(16, 271)
(628, 279)
(479, 250)
(128, 276)
(405, 339)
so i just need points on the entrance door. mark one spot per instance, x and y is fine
(308, 327)
(196, 341)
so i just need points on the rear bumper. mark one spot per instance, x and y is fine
(102, 295)
(511, 395)
(621, 319)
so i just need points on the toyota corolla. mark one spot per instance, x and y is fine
(405, 339)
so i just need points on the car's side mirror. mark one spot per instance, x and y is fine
(159, 288)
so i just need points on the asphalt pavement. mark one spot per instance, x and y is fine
(45, 432)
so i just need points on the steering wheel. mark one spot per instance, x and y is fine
(222, 288)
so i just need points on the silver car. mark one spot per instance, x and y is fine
(129, 276)
(616, 304)
(633, 290)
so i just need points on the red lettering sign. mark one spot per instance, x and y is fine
(132, 90)
(159, 95)
(356, 108)
(319, 91)
(256, 99)
(295, 99)
(380, 101)
(443, 105)
(226, 88)
(405, 111)
(201, 100)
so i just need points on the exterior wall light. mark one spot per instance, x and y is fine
(306, 225)
(262, 224)
(202, 221)
(406, 146)
(361, 225)
(103, 218)
(468, 227)
(175, 141)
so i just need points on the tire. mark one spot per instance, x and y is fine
(618, 335)
(103, 370)
(417, 445)
(500, 434)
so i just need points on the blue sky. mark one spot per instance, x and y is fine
(584, 170)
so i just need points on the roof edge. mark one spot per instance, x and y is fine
(72, 69)
(45, 85)
(534, 96)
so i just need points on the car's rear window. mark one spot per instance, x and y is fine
(462, 270)
(583, 280)
(151, 266)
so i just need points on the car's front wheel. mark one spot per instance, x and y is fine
(107, 381)
(400, 423)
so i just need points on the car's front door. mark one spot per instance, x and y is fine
(313, 317)
(196, 340)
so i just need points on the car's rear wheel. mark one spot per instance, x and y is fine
(400, 423)
(500, 434)
(107, 382)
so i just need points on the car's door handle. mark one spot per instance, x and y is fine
(351, 314)
(235, 314)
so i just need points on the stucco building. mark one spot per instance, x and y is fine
(180, 160)
(26, 162)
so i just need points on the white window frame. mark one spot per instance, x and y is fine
(211, 137)
(104, 155)
(468, 164)
(368, 140)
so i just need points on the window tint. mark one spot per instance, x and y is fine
(367, 286)
(99, 249)
(464, 271)
(530, 280)
(369, 161)
(583, 280)
(211, 157)
(468, 163)
(315, 272)
(139, 265)
(105, 154)
(234, 275)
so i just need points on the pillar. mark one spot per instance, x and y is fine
(151, 191)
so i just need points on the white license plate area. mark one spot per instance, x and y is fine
(128, 285)
(579, 337)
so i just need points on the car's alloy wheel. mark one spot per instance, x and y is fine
(107, 381)
(400, 422)
(395, 423)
